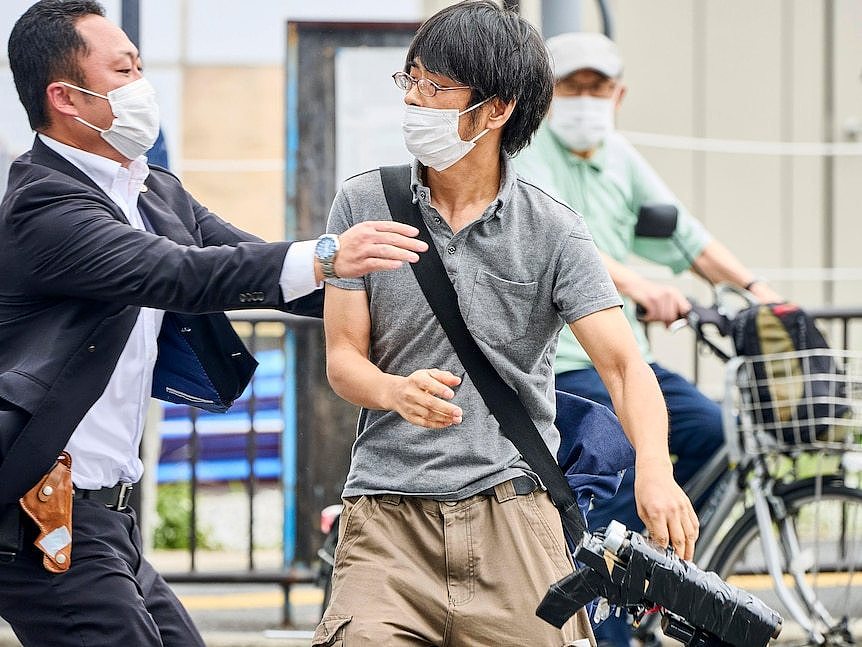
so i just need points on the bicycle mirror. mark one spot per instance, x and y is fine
(656, 220)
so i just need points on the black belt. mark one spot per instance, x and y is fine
(523, 484)
(116, 498)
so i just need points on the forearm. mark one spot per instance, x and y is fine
(640, 406)
(631, 383)
(638, 402)
(355, 379)
(718, 264)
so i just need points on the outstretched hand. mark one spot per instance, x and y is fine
(421, 398)
(665, 509)
(378, 245)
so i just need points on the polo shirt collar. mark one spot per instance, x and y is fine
(596, 161)
(422, 193)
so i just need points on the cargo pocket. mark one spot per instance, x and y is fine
(330, 631)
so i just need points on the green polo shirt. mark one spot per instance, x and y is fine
(608, 190)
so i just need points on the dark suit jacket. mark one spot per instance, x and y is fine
(73, 275)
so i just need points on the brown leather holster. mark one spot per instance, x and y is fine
(49, 505)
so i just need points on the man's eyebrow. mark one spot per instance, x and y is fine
(127, 54)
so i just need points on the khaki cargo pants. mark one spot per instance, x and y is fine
(411, 571)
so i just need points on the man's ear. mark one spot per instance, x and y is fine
(499, 112)
(620, 96)
(59, 98)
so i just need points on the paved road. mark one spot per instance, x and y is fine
(250, 615)
(240, 615)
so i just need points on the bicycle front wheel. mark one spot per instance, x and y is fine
(826, 518)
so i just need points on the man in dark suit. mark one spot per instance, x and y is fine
(95, 248)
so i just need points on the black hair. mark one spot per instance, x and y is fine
(495, 52)
(45, 46)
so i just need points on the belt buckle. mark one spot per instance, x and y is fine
(123, 496)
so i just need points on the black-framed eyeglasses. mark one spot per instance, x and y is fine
(427, 87)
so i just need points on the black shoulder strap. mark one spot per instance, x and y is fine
(515, 422)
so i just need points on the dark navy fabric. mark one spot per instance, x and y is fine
(695, 435)
(593, 448)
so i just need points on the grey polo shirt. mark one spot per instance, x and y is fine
(525, 266)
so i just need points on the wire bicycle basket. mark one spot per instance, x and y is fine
(794, 402)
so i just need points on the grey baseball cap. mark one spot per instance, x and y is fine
(584, 50)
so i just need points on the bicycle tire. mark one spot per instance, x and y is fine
(833, 497)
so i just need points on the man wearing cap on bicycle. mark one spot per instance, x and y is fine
(578, 157)
(447, 536)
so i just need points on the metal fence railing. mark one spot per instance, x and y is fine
(252, 444)
(241, 443)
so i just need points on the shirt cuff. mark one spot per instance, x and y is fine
(297, 273)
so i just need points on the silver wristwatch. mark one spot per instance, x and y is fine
(325, 251)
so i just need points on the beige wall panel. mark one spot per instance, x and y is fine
(254, 202)
(675, 167)
(805, 72)
(742, 59)
(742, 100)
(804, 213)
(848, 64)
(742, 209)
(233, 113)
(656, 42)
(848, 170)
(657, 46)
(590, 18)
(848, 211)
(237, 114)
(801, 119)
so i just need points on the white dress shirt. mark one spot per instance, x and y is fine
(104, 446)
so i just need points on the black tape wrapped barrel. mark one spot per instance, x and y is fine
(705, 600)
(643, 575)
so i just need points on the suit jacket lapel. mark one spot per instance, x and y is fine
(152, 207)
(163, 220)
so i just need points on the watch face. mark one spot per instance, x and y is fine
(326, 247)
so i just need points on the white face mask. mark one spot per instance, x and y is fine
(431, 135)
(582, 123)
(136, 117)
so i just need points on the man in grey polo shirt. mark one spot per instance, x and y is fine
(445, 537)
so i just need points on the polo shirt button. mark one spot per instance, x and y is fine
(438, 219)
(451, 249)
(91, 348)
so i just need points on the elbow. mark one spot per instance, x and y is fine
(338, 378)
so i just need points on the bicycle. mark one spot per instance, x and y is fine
(784, 492)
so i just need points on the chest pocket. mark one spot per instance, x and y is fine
(500, 309)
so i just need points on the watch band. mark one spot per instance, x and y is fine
(326, 251)
(327, 268)
(752, 282)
